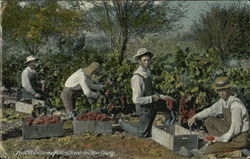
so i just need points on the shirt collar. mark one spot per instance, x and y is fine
(31, 70)
(230, 99)
(144, 72)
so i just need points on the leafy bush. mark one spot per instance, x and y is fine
(188, 72)
(225, 28)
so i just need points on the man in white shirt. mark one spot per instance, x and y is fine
(32, 88)
(80, 80)
(144, 95)
(230, 131)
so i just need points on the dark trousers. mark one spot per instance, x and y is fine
(67, 97)
(146, 116)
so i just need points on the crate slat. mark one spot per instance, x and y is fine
(94, 126)
(174, 137)
(24, 107)
(42, 131)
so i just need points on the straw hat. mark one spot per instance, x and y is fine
(141, 52)
(91, 68)
(221, 83)
(30, 58)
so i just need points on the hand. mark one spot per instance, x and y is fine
(100, 96)
(215, 139)
(155, 97)
(37, 95)
(191, 121)
(42, 81)
(101, 87)
(166, 97)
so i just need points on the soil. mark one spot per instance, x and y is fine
(118, 145)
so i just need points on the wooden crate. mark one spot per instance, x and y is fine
(24, 107)
(174, 137)
(94, 126)
(42, 131)
(38, 102)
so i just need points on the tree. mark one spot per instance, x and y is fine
(122, 20)
(225, 28)
(31, 25)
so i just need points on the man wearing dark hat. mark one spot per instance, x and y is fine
(144, 95)
(32, 88)
(80, 80)
(230, 131)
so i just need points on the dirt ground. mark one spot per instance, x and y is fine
(119, 144)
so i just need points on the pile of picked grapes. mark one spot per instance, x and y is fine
(43, 120)
(93, 116)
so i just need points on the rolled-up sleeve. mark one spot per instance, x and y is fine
(138, 89)
(26, 84)
(214, 110)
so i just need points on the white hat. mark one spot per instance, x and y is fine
(141, 52)
(30, 58)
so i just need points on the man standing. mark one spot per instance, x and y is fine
(80, 80)
(32, 88)
(144, 96)
(231, 130)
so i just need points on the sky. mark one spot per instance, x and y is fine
(197, 7)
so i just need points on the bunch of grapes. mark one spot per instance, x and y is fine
(52, 119)
(93, 116)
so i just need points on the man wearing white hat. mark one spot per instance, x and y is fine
(231, 131)
(144, 95)
(80, 80)
(32, 88)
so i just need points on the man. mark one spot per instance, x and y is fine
(80, 80)
(231, 130)
(144, 96)
(32, 88)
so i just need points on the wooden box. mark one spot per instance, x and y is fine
(38, 102)
(174, 137)
(24, 107)
(93, 126)
(42, 131)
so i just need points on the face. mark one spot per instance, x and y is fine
(145, 61)
(97, 72)
(224, 93)
(33, 64)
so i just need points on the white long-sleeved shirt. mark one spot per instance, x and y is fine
(138, 87)
(26, 79)
(239, 116)
(79, 80)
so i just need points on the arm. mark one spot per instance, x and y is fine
(236, 124)
(86, 89)
(214, 110)
(26, 83)
(94, 86)
(138, 89)
(211, 111)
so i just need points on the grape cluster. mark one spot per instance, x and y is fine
(52, 119)
(93, 116)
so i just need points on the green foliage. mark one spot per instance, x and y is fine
(32, 25)
(121, 20)
(225, 28)
(189, 72)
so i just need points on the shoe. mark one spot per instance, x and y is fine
(69, 116)
(184, 152)
(197, 152)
